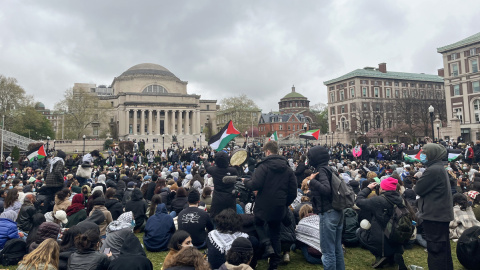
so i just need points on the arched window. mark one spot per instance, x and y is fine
(343, 123)
(378, 122)
(156, 89)
(476, 110)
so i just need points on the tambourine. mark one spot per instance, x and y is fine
(238, 157)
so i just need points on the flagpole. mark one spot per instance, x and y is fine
(3, 133)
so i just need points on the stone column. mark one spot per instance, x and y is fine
(127, 121)
(150, 122)
(158, 121)
(187, 122)
(199, 124)
(180, 122)
(165, 123)
(135, 122)
(142, 122)
(173, 122)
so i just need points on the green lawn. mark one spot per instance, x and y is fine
(355, 259)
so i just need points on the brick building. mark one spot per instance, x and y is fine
(462, 88)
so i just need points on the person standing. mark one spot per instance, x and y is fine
(54, 177)
(331, 220)
(276, 185)
(435, 206)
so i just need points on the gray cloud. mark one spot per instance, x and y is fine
(223, 48)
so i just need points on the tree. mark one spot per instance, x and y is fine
(82, 110)
(241, 110)
(12, 97)
(31, 123)
(320, 111)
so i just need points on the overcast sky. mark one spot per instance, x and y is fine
(224, 48)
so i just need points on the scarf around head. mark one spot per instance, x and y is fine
(123, 221)
(77, 204)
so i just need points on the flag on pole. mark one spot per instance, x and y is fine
(37, 152)
(273, 137)
(222, 138)
(311, 134)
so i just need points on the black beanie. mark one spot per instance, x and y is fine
(193, 196)
(241, 244)
(61, 154)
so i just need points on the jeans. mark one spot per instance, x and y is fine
(173, 214)
(422, 242)
(309, 258)
(438, 245)
(331, 226)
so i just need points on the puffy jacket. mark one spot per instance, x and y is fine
(8, 230)
(25, 217)
(158, 230)
(276, 184)
(45, 230)
(138, 206)
(115, 207)
(320, 188)
(435, 203)
(88, 260)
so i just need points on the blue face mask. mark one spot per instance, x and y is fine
(20, 185)
(3, 185)
(132, 224)
(33, 190)
(423, 158)
(10, 187)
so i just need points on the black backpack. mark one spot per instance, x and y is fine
(13, 252)
(468, 248)
(350, 226)
(399, 228)
(342, 194)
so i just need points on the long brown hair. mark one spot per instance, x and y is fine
(305, 211)
(156, 200)
(12, 196)
(190, 256)
(48, 252)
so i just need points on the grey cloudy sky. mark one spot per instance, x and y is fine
(224, 48)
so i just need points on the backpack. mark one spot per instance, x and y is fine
(342, 194)
(13, 252)
(468, 248)
(350, 226)
(399, 228)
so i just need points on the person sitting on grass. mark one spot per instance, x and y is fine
(132, 256)
(308, 235)
(179, 240)
(87, 255)
(189, 258)
(44, 257)
(239, 255)
(159, 229)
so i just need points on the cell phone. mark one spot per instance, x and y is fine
(106, 251)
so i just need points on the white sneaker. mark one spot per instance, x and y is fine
(286, 258)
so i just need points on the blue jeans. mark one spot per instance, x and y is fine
(308, 257)
(331, 226)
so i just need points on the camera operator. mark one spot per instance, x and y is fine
(277, 189)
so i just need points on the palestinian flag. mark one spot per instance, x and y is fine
(412, 155)
(273, 137)
(221, 139)
(454, 154)
(311, 134)
(37, 152)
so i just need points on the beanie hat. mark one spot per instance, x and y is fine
(241, 244)
(61, 154)
(389, 184)
(131, 184)
(193, 196)
(98, 188)
(62, 216)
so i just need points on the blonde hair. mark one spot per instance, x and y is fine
(305, 210)
(371, 175)
(48, 252)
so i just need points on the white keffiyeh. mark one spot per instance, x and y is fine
(308, 231)
(223, 241)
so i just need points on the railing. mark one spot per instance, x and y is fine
(11, 139)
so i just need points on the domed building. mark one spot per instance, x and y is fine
(294, 102)
(148, 101)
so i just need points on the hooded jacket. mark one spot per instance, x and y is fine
(88, 260)
(276, 184)
(25, 217)
(117, 231)
(9, 228)
(158, 230)
(433, 187)
(138, 206)
(320, 188)
(115, 207)
(132, 256)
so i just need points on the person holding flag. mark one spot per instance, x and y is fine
(54, 177)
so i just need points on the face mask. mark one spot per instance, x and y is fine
(423, 158)
(132, 224)
(33, 190)
(3, 185)
(10, 187)
(20, 185)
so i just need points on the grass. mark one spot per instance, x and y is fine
(355, 259)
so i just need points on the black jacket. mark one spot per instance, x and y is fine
(196, 222)
(25, 217)
(63, 258)
(320, 188)
(88, 260)
(115, 207)
(178, 204)
(300, 173)
(132, 256)
(276, 185)
(435, 203)
(382, 211)
(138, 206)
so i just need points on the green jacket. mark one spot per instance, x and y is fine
(76, 218)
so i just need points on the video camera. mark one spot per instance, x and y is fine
(242, 193)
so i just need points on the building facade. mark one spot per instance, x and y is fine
(462, 88)
(369, 102)
(56, 118)
(149, 102)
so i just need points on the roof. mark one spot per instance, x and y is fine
(274, 117)
(293, 95)
(148, 69)
(374, 73)
(464, 42)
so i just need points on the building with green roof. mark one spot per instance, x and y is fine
(462, 85)
(367, 101)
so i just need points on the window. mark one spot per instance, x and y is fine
(333, 110)
(375, 91)
(351, 83)
(404, 93)
(208, 107)
(458, 114)
(413, 85)
(364, 91)
(95, 130)
(404, 84)
(456, 90)
(453, 56)
(397, 84)
(422, 94)
(280, 127)
(474, 63)
(293, 127)
(341, 96)
(397, 93)
(376, 83)
(332, 88)
(342, 109)
(288, 127)
(415, 93)
(332, 97)
(387, 92)
(378, 121)
(377, 107)
(476, 110)
(473, 51)
(156, 89)
(476, 87)
(390, 124)
(352, 92)
(454, 69)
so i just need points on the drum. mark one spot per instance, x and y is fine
(238, 157)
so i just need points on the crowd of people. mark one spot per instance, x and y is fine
(85, 212)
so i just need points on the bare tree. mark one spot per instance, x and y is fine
(241, 110)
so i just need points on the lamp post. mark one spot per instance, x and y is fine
(356, 136)
(333, 133)
(246, 136)
(54, 145)
(83, 144)
(48, 140)
(438, 132)
(406, 139)
(305, 126)
(200, 140)
(163, 141)
(183, 142)
(326, 138)
(431, 110)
